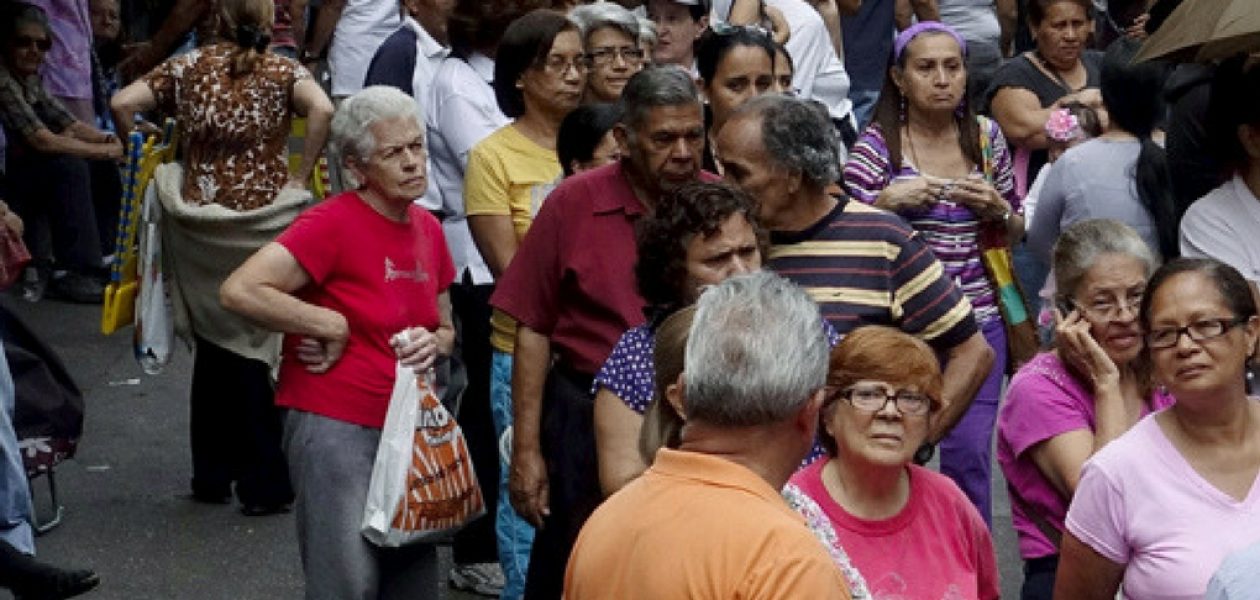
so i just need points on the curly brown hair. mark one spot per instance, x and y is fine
(662, 238)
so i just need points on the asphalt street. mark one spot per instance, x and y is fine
(127, 514)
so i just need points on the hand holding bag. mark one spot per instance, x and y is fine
(423, 487)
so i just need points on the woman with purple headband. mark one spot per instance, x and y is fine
(927, 158)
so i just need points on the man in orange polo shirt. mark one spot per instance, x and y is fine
(706, 520)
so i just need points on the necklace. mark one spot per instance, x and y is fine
(1054, 73)
(914, 155)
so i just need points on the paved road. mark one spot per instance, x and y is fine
(126, 511)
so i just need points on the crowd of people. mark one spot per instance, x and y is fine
(711, 282)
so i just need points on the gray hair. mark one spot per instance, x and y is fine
(655, 86)
(596, 16)
(1080, 245)
(647, 33)
(755, 354)
(799, 136)
(351, 135)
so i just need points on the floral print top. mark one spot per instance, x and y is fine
(234, 130)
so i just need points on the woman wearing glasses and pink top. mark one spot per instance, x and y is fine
(1065, 404)
(1161, 506)
(909, 531)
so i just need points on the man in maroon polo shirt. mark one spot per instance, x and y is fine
(571, 289)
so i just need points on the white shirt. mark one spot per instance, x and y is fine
(819, 74)
(1224, 225)
(463, 111)
(363, 25)
(429, 56)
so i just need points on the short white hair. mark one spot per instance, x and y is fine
(595, 16)
(351, 135)
(756, 354)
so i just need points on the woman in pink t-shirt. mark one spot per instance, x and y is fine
(1065, 404)
(910, 532)
(1161, 506)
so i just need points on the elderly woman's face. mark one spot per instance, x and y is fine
(615, 57)
(729, 251)
(1108, 297)
(743, 73)
(870, 426)
(935, 76)
(1189, 304)
(27, 48)
(396, 169)
(1062, 34)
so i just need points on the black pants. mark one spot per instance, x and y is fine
(106, 198)
(476, 542)
(1039, 576)
(236, 429)
(568, 446)
(53, 195)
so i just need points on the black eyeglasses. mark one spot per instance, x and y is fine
(606, 55)
(1198, 331)
(26, 41)
(873, 398)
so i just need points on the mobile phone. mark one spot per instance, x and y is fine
(1065, 305)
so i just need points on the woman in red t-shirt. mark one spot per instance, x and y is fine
(341, 282)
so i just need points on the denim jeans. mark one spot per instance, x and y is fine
(515, 534)
(15, 491)
(864, 102)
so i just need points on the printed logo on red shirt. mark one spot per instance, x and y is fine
(393, 273)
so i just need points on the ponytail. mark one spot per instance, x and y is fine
(1154, 188)
(251, 44)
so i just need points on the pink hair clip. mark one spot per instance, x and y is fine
(1063, 126)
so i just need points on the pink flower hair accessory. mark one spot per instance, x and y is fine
(1063, 126)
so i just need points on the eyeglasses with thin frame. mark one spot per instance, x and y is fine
(873, 398)
(559, 65)
(1198, 331)
(629, 55)
(43, 44)
(1109, 309)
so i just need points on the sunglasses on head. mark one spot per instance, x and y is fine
(26, 41)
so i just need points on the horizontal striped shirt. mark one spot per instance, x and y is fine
(865, 266)
(950, 229)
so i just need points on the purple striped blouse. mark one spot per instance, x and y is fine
(950, 229)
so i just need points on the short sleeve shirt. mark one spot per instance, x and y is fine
(234, 130)
(937, 546)
(572, 278)
(950, 228)
(866, 266)
(26, 107)
(390, 281)
(1223, 225)
(1140, 504)
(1020, 72)
(1044, 400)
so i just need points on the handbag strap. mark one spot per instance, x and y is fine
(986, 148)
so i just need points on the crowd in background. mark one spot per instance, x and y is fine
(710, 282)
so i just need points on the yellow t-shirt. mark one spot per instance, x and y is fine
(509, 175)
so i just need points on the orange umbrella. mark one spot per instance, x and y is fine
(1206, 31)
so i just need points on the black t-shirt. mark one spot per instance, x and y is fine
(1020, 72)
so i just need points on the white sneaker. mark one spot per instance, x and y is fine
(485, 579)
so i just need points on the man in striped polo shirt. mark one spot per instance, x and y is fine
(862, 265)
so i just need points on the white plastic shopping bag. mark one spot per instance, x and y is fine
(154, 336)
(423, 486)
